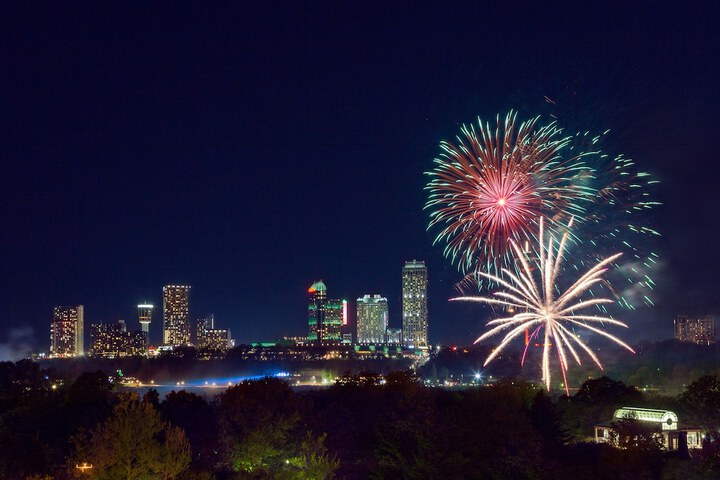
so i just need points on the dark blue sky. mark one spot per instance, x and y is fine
(248, 149)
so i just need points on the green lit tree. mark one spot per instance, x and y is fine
(263, 438)
(312, 461)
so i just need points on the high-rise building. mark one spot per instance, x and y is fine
(325, 317)
(67, 331)
(176, 313)
(316, 310)
(331, 333)
(145, 311)
(415, 310)
(372, 319)
(113, 340)
(700, 330)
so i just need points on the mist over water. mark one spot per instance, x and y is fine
(19, 344)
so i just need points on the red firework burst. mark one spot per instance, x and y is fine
(494, 185)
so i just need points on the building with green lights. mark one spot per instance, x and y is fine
(332, 325)
(325, 317)
(372, 319)
(393, 336)
(316, 311)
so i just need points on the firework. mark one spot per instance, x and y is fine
(542, 306)
(617, 220)
(496, 181)
(493, 185)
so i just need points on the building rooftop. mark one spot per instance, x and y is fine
(318, 286)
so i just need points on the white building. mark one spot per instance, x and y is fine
(663, 424)
(372, 319)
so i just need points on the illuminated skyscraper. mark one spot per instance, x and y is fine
(176, 313)
(316, 310)
(67, 331)
(331, 333)
(145, 311)
(325, 317)
(700, 330)
(372, 319)
(415, 310)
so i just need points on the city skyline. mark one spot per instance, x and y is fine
(271, 148)
(178, 315)
(192, 321)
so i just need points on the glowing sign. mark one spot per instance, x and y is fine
(345, 319)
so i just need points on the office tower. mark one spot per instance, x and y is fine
(67, 331)
(106, 339)
(113, 340)
(700, 330)
(316, 310)
(415, 311)
(176, 313)
(331, 333)
(372, 319)
(325, 317)
(145, 311)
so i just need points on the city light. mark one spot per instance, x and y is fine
(84, 467)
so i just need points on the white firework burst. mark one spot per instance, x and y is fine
(542, 306)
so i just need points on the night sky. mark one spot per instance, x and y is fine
(249, 149)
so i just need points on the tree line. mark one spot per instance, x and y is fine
(359, 428)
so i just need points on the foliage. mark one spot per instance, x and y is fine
(133, 443)
(261, 434)
(629, 433)
(193, 414)
(359, 428)
(605, 390)
(702, 399)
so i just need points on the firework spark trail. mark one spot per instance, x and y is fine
(542, 305)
